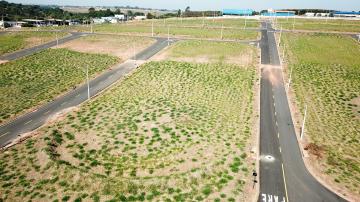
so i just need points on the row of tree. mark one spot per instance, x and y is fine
(16, 12)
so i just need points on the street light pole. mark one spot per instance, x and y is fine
(280, 36)
(245, 22)
(88, 83)
(152, 28)
(168, 35)
(222, 30)
(293, 22)
(57, 40)
(289, 82)
(303, 124)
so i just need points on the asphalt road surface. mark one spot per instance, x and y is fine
(29, 51)
(35, 119)
(283, 175)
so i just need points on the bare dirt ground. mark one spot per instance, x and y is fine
(118, 46)
(3, 61)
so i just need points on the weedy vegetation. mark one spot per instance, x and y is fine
(326, 78)
(35, 79)
(172, 131)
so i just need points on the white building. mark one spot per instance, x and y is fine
(140, 17)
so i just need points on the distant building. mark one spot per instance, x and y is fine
(140, 17)
(35, 23)
(110, 19)
(240, 12)
(278, 13)
(309, 14)
(346, 14)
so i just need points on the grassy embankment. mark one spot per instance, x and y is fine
(172, 131)
(326, 77)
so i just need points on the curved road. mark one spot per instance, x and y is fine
(283, 175)
(30, 121)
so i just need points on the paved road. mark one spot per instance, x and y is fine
(33, 120)
(29, 51)
(283, 175)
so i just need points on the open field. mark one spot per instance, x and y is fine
(13, 41)
(123, 47)
(321, 25)
(190, 32)
(199, 22)
(32, 80)
(209, 51)
(171, 131)
(326, 77)
(188, 27)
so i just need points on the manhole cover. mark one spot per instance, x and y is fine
(267, 158)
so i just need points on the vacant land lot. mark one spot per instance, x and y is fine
(27, 82)
(321, 25)
(13, 41)
(190, 32)
(198, 22)
(123, 47)
(172, 131)
(209, 51)
(326, 76)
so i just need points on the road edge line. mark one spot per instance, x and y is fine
(284, 178)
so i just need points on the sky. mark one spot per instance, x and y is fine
(347, 5)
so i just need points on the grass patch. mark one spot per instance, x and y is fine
(208, 51)
(13, 41)
(29, 81)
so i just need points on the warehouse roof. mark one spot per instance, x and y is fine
(238, 11)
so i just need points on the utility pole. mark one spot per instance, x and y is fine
(303, 124)
(88, 83)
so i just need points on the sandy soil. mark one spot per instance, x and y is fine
(118, 46)
(3, 61)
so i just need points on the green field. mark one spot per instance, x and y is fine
(210, 51)
(326, 77)
(13, 41)
(29, 81)
(321, 25)
(171, 131)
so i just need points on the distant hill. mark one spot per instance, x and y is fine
(13, 11)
